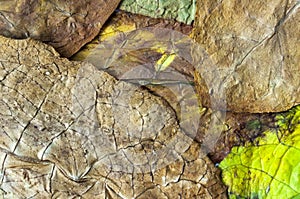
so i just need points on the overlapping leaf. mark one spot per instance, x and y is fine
(269, 168)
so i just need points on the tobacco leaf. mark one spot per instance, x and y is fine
(66, 25)
(180, 10)
(269, 167)
(70, 130)
(254, 45)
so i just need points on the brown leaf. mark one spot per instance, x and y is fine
(255, 45)
(66, 25)
(69, 130)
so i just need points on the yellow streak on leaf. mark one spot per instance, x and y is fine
(165, 61)
(111, 31)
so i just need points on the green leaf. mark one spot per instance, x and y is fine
(270, 168)
(180, 10)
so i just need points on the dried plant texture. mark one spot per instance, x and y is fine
(66, 25)
(122, 22)
(131, 31)
(256, 45)
(180, 10)
(69, 130)
(240, 128)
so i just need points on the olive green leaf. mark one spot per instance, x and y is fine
(182, 11)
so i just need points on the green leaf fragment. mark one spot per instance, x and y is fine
(270, 168)
(180, 10)
(253, 125)
(289, 121)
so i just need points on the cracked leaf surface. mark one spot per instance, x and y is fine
(256, 45)
(270, 168)
(148, 62)
(69, 130)
(121, 23)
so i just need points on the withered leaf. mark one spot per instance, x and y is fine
(255, 45)
(66, 25)
(69, 130)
